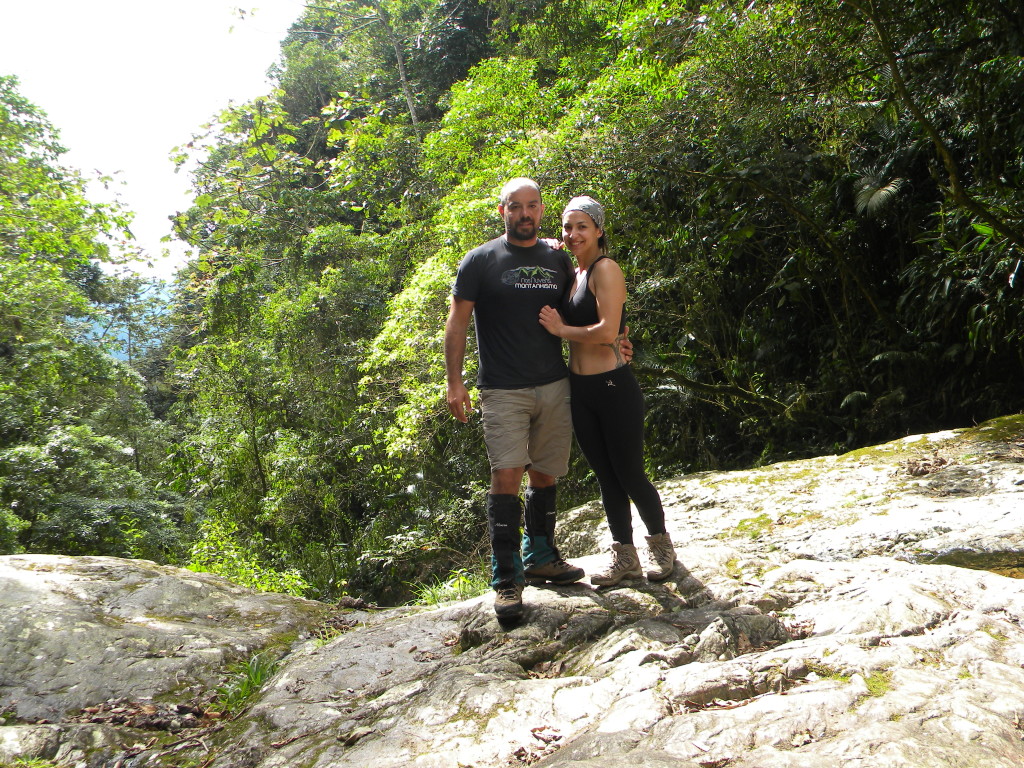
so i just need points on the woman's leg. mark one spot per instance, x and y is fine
(586, 424)
(621, 417)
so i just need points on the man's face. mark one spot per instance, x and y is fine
(522, 214)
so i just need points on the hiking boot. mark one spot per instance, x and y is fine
(557, 572)
(625, 565)
(508, 601)
(663, 557)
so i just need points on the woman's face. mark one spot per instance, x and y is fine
(580, 234)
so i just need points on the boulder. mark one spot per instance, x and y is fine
(123, 642)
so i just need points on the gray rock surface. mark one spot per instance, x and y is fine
(838, 611)
(79, 632)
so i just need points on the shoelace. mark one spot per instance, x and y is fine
(662, 552)
(620, 562)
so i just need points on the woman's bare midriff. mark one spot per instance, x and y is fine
(587, 359)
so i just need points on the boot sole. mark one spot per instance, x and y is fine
(537, 581)
(654, 576)
(609, 583)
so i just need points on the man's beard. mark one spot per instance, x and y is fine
(524, 230)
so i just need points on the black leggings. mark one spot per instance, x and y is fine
(608, 419)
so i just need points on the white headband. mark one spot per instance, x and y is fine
(589, 206)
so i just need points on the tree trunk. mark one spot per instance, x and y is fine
(382, 16)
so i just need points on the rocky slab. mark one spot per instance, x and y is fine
(847, 610)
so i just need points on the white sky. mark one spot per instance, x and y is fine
(125, 81)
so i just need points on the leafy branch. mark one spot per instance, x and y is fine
(870, 10)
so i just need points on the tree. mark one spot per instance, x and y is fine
(45, 215)
(79, 453)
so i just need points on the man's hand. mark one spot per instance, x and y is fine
(626, 346)
(459, 402)
(454, 352)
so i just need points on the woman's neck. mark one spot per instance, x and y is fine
(585, 260)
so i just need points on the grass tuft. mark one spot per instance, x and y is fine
(462, 584)
(245, 682)
(879, 683)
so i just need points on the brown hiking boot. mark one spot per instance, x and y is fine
(663, 557)
(557, 572)
(508, 601)
(625, 565)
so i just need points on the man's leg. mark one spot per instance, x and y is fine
(504, 513)
(504, 524)
(539, 541)
(541, 558)
(550, 442)
(506, 422)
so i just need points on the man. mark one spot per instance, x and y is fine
(524, 390)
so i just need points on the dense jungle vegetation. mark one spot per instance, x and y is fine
(818, 206)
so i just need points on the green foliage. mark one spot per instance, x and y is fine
(218, 550)
(879, 682)
(45, 216)
(827, 672)
(80, 452)
(245, 681)
(11, 528)
(753, 527)
(462, 584)
(498, 108)
(78, 493)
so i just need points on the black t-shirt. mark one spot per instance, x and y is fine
(509, 285)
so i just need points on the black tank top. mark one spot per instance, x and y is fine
(581, 307)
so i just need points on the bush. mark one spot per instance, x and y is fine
(219, 551)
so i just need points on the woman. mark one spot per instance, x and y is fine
(607, 405)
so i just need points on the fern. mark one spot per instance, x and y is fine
(874, 195)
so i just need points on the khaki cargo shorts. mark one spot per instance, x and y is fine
(529, 428)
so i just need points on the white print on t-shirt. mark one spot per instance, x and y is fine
(530, 277)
